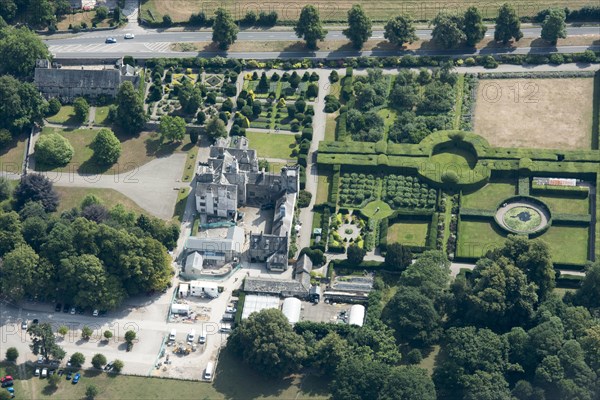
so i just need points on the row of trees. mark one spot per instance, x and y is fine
(450, 29)
(89, 256)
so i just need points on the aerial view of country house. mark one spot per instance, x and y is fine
(341, 200)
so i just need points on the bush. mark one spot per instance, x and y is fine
(333, 76)
(53, 107)
(98, 361)
(106, 146)
(81, 108)
(450, 177)
(414, 357)
(304, 198)
(167, 20)
(12, 354)
(77, 360)
(53, 149)
(198, 19)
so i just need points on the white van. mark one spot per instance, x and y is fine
(202, 337)
(172, 335)
(208, 371)
(191, 336)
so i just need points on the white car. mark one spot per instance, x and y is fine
(73, 310)
(129, 36)
(37, 372)
(95, 313)
(44, 372)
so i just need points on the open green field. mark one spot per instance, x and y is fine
(377, 209)
(411, 233)
(476, 237)
(330, 127)
(11, 157)
(135, 151)
(568, 244)
(489, 196)
(324, 180)
(180, 10)
(560, 204)
(101, 115)
(249, 384)
(272, 145)
(72, 196)
(66, 115)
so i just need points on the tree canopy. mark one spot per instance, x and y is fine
(399, 30)
(359, 26)
(53, 149)
(22, 103)
(309, 26)
(447, 30)
(36, 187)
(20, 49)
(554, 27)
(130, 109)
(224, 29)
(106, 146)
(171, 128)
(508, 25)
(473, 26)
(267, 342)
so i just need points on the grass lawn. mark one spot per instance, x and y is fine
(568, 244)
(384, 210)
(454, 159)
(323, 182)
(565, 204)
(475, 238)
(272, 145)
(410, 232)
(389, 116)
(136, 150)
(66, 115)
(11, 157)
(72, 196)
(330, 124)
(489, 196)
(182, 197)
(85, 17)
(101, 115)
(190, 162)
(249, 384)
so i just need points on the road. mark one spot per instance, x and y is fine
(150, 43)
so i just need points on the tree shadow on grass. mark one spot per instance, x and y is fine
(315, 385)
(49, 390)
(236, 380)
(91, 373)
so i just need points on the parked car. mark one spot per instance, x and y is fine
(95, 313)
(40, 359)
(73, 310)
(7, 384)
(35, 321)
(61, 372)
(44, 372)
(109, 366)
(69, 374)
(129, 36)
(110, 40)
(37, 372)
(58, 307)
(80, 310)
(76, 378)
(231, 309)
(6, 378)
(24, 324)
(66, 308)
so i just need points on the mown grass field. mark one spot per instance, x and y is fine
(324, 180)
(272, 145)
(180, 10)
(101, 115)
(233, 380)
(135, 151)
(66, 115)
(568, 244)
(411, 233)
(72, 197)
(489, 196)
(475, 238)
(564, 204)
(11, 157)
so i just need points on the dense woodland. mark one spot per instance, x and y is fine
(504, 332)
(89, 256)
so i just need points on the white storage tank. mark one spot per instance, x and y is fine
(357, 315)
(291, 309)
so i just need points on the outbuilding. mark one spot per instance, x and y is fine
(357, 315)
(291, 309)
(181, 309)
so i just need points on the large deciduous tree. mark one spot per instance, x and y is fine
(589, 292)
(171, 128)
(508, 25)
(224, 29)
(82, 109)
(20, 49)
(397, 257)
(408, 383)
(215, 128)
(447, 30)
(10, 232)
(17, 271)
(309, 26)
(267, 342)
(36, 187)
(473, 26)
(53, 149)
(22, 104)
(106, 146)
(359, 26)
(43, 341)
(554, 27)
(355, 254)
(359, 377)
(400, 30)
(130, 109)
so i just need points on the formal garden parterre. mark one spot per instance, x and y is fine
(464, 180)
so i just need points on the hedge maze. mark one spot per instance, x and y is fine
(445, 189)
